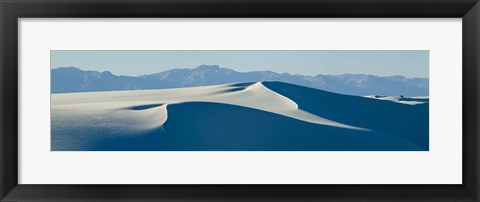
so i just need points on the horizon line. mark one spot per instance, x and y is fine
(191, 68)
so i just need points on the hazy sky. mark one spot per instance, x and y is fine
(134, 63)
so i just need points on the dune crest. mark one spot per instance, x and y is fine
(258, 96)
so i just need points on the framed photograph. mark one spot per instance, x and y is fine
(239, 100)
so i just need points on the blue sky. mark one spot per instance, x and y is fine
(407, 63)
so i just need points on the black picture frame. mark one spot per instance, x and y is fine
(12, 10)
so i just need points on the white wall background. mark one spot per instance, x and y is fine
(441, 165)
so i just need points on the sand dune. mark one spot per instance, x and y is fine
(243, 116)
(403, 100)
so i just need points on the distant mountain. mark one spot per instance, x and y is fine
(72, 79)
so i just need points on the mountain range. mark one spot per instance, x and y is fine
(73, 79)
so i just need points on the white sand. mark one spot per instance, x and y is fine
(118, 106)
(409, 101)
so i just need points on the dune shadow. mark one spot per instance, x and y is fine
(144, 107)
(204, 126)
(245, 84)
(232, 90)
(237, 87)
(408, 121)
(414, 99)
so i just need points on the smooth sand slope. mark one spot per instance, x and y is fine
(235, 117)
